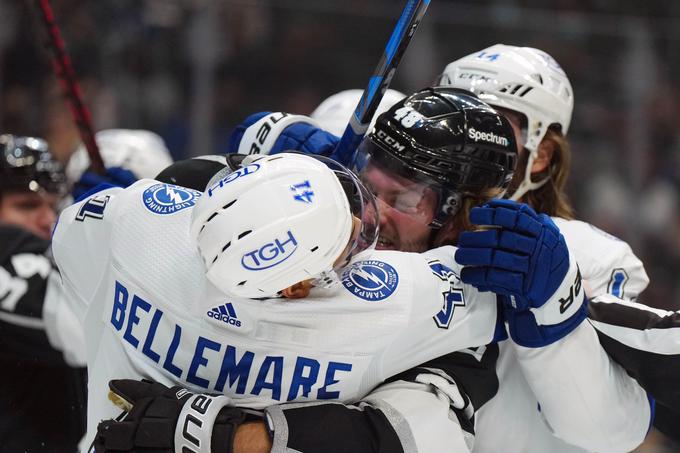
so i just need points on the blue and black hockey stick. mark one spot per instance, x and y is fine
(380, 80)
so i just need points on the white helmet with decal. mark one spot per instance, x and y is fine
(521, 79)
(334, 112)
(280, 220)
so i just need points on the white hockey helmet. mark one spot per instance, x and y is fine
(142, 152)
(278, 221)
(334, 112)
(521, 79)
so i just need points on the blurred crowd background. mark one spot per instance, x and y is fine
(191, 70)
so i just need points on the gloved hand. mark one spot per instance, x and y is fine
(526, 263)
(272, 133)
(167, 420)
(90, 181)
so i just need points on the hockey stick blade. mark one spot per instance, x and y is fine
(380, 80)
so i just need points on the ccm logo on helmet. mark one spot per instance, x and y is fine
(389, 141)
(473, 76)
(270, 254)
(487, 137)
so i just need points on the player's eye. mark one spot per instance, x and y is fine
(27, 205)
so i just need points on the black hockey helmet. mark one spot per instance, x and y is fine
(446, 138)
(27, 165)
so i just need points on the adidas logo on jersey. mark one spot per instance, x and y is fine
(225, 313)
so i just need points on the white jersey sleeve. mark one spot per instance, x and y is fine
(576, 383)
(608, 264)
(80, 245)
(645, 340)
(62, 324)
(587, 399)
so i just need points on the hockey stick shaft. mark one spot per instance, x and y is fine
(61, 62)
(380, 80)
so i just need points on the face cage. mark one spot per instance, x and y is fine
(448, 201)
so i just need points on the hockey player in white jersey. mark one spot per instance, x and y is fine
(530, 88)
(135, 307)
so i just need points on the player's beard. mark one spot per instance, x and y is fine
(389, 240)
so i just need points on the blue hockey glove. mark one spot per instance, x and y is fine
(91, 182)
(526, 263)
(272, 133)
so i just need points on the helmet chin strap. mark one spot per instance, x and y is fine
(527, 184)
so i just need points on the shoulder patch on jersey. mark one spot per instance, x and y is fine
(168, 199)
(370, 280)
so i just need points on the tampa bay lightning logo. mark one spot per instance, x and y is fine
(168, 199)
(370, 280)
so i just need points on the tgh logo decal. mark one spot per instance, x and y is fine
(271, 253)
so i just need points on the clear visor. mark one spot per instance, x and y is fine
(409, 195)
(364, 210)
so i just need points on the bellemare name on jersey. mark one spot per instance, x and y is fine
(207, 362)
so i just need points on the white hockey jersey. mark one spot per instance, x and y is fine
(137, 282)
(514, 421)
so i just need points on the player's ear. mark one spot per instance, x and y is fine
(546, 150)
(299, 290)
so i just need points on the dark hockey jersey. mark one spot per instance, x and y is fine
(42, 398)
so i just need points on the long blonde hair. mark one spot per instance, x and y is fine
(550, 198)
